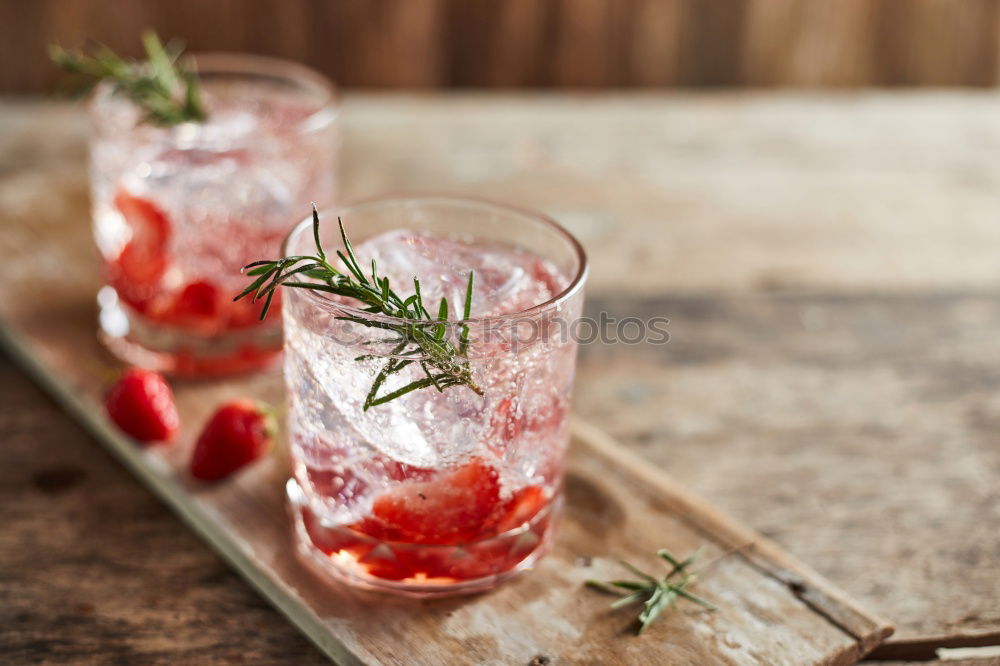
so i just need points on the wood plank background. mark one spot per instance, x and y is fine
(828, 265)
(543, 43)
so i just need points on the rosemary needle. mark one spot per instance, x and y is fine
(162, 85)
(419, 337)
(655, 594)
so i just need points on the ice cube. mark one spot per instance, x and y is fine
(506, 280)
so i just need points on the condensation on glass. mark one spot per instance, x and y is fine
(178, 210)
(434, 492)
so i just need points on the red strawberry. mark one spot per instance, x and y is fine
(385, 564)
(245, 312)
(199, 299)
(144, 257)
(453, 508)
(505, 424)
(521, 508)
(511, 419)
(409, 561)
(238, 433)
(198, 306)
(136, 272)
(142, 405)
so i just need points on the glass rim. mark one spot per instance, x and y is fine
(251, 65)
(572, 288)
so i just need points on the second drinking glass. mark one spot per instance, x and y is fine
(178, 210)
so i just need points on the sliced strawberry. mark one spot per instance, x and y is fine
(142, 405)
(453, 508)
(200, 299)
(244, 312)
(521, 508)
(382, 562)
(144, 257)
(493, 556)
(464, 562)
(496, 555)
(237, 434)
(505, 424)
(399, 562)
(136, 272)
(510, 420)
(197, 306)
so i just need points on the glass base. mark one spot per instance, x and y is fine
(343, 555)
(137, 340)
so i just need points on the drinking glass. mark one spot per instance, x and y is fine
(178, 210)
(433, 492)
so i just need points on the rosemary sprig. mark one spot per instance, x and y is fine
(162, 85)
(656, 594)
(420, 338)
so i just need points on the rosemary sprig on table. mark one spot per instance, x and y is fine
(162, 85)
(418, 339)
(656, 594)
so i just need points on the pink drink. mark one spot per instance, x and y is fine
(178, 210)
(435, 492)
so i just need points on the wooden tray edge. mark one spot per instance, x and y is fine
(171, 493)
(867, 630)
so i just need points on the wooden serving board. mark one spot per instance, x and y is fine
(772, 609)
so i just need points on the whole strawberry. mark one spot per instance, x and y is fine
(142, 405)
(237, 434)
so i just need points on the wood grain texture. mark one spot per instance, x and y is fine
(705, 193)
(557, 43)
(828, 264)
(94, 569)
(858, 432)
(986, 661)
(773, 610)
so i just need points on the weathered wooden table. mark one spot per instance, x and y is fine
(828, 264)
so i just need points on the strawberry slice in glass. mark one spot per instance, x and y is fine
(144, 257)
(451, 509)
(137, 270)
(180, 208)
